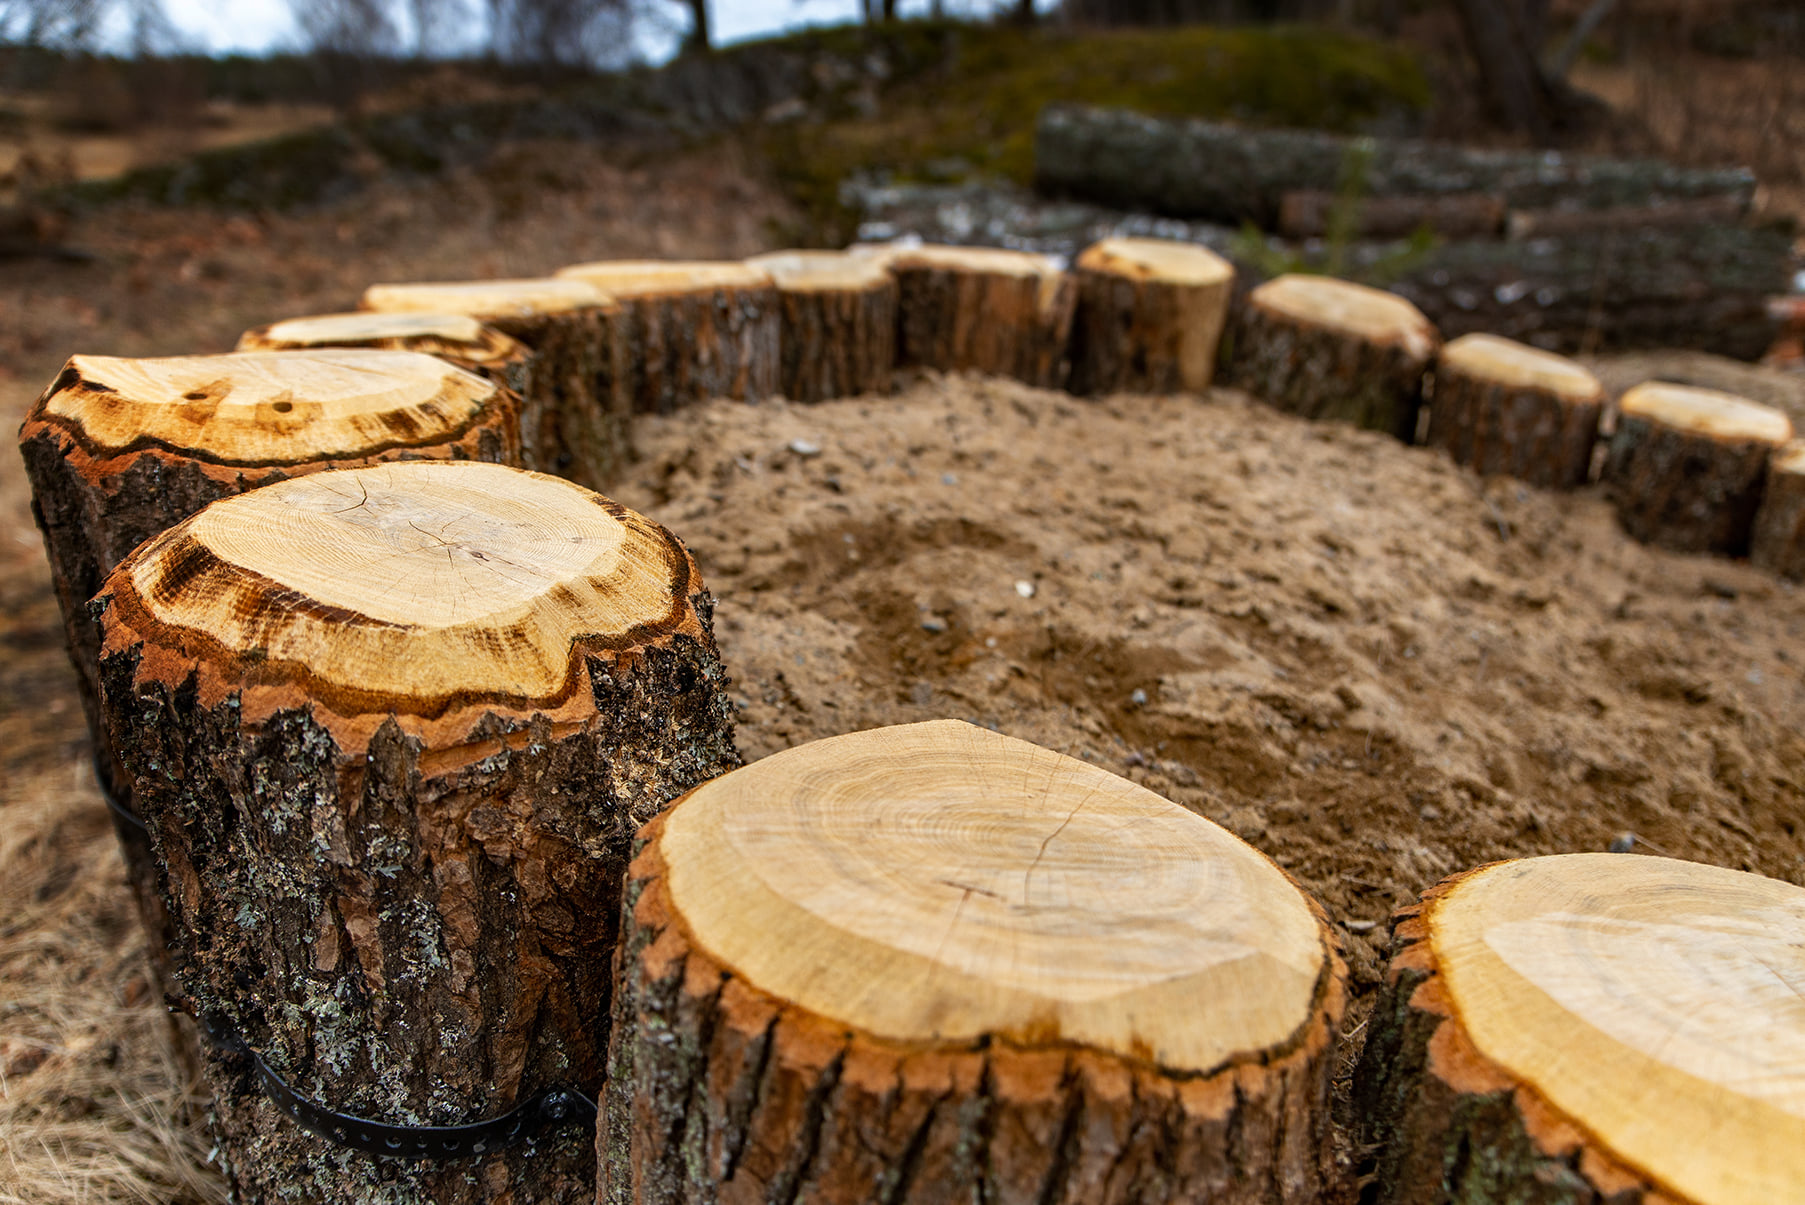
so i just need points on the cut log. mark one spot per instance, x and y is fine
(1150, 316)
(1306, 213)
(1501, 407)
(838, 336)
(458, 338)
(694, 330)
(980, 309)
(932, 963)
(576, 423)
(392, 730)
(1231, 174)
(1590, 1028)
(1686, 466)
(120, 450)
(1564, 223)
(1778, 541)
(1329, 349)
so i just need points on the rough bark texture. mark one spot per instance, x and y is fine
(1778, 542)
(1530, 433)
(94, 505)
(1230, 174)
(417, 931)
(1145, 335)
(576, 422)
(1324, 374)
(1307, 213)
(1699, 286)
(837, 342)
(1446, 1125)
(687, 347)
(978, 321)
(1683, 490)
(719, 1092)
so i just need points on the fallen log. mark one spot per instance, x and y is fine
(694, 330)
(1589, 1028)
(838, 324)
(1500, 407)
(1686, 466)
(1563, 223)
(981, 309)
(118, 451)
(576, 422)
(393, 729)
(1233, 174)
(1329, 349)
(1150, 316)
(934, 963)
(1308, 213)
(458, 338)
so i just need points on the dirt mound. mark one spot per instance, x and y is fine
(1367, 662)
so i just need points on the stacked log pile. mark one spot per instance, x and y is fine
(1602, 252)
(391, 730)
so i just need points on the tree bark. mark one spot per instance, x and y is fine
(838, 325)
(117, 451)
(1501, 407)
(1306, 213)
(846, 1001)
(392, 731)
(1504, 37)
(458, 338)
(1686, 466)
(1150, 316)
(1778, 542)
(1524, 1072)
(694, 331)
(1231, 174)
(978, 309)
(1328, 349)
(577, 422)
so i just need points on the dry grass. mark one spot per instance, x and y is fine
(94, 1106)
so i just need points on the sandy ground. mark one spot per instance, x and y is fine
(1374, 666)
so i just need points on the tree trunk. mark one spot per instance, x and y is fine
(694, 330)
(1501, 407)
(1686, 466)
(118, 451)
(1149, 318)
(1504, 37)
(1307, 213)
(458, 338)
(699, 36)
(931, 963)
(838, 329)
(1587, 1029)
(1231, 174)
(1328, 349)
(1778, 542)
(392, 731)
(978, 309)
(577, 423)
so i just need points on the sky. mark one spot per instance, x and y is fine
(253, 26)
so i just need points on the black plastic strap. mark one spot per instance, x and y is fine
(549, 1108)
(113, 805)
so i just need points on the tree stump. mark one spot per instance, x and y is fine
(1590, 1028)
(458, 338)
(979, 309)
(931, 963)
(1501, 407)
(576, 422)
(694, 330)
(392, 730)
(120, 450)
(1686, 466)
(838, 336)
(1330, 349)
(1778, 542)
(1150, 315)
